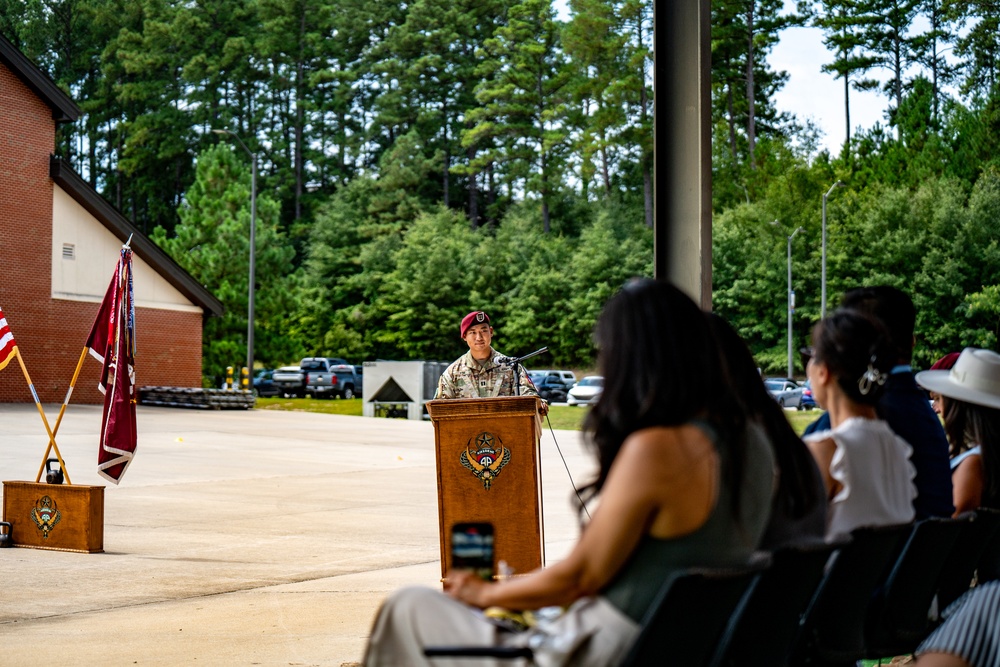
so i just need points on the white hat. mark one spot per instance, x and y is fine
(975, 378)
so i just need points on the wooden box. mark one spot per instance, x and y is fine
(505, 493)
(62, 517)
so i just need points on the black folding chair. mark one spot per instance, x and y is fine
(988, 568)
(690, 614)
(832, 628)
(959, 570)
(764, 625)
(682, 627)
(898, 616)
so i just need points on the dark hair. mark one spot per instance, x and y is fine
(857, 353)
(968, 425)
(797, 492)
(660, 368)
(893, 308)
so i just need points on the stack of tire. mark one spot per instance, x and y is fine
(194, 397)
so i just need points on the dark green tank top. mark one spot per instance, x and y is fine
(720, 541)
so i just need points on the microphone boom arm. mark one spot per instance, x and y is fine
(515, 362)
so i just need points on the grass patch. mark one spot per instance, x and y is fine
(333, 406)
(799, 419)
(566, 418)
(562, 416)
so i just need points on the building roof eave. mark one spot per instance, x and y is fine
(64, 109)
(121, 227)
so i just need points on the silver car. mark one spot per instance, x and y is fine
(788, 394)
(586, 391)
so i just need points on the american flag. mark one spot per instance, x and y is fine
(7, 345)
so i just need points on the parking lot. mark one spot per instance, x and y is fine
(238, 537)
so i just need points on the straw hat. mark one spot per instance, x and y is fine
(975, 378)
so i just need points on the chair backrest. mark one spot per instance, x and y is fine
(898, 616)
(764, 625)
(832, 628)
(690, 614)
(956, 577)
(988, 568)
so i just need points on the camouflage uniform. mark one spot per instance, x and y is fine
(468, 378)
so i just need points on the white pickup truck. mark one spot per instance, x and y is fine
(290, 381)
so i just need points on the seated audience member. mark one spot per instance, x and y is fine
(903, 405)
(969, 395)
(943, 364)
(799, 509)
(866, 467)
(969, 635)
(680, 485)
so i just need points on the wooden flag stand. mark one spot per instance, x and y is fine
(62, 517)
(488, 471)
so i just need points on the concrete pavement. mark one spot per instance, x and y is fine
(237, 537)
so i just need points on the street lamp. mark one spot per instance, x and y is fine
(253, 245)
(791, 298)
(822, 296)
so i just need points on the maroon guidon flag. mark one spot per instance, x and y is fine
(102, 332)
(112, 341)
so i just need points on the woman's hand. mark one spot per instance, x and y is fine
(465, 586)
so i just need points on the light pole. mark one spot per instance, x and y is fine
(253, 246)
(791, 297)
(822, 291)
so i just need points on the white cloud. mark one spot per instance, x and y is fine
(811, 93)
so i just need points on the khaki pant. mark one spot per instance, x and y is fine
(591, 632)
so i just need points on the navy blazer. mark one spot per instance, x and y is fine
(908, 412)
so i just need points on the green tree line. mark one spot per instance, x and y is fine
(421, 159)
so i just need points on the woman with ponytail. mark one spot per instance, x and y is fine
(866, 467)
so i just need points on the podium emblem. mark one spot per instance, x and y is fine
(485, 456)
(45, 515)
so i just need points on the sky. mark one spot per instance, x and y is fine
(812, 94)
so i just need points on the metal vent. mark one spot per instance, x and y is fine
(69, 251)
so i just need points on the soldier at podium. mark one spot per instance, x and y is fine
(482, 372)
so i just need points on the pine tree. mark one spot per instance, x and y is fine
(931, 46)
(743, 33)
(524, 102)
(844, 35)
(889, 39)
(979, 46)
(431, 60)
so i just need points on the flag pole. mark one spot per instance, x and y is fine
(38, 404)
(62, 411)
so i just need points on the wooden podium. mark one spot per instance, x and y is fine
(488, 470)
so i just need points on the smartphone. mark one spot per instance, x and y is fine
(472, 548)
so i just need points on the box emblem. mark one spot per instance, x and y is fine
(489, 457)
(45, 515)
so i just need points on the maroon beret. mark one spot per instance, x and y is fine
(473, 318)
(945, 362)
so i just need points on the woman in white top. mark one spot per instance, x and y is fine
(866, 467)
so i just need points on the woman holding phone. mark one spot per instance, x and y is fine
(682, 480)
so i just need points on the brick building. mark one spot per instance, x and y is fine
(59, 241)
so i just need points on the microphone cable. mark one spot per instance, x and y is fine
(566, 465)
